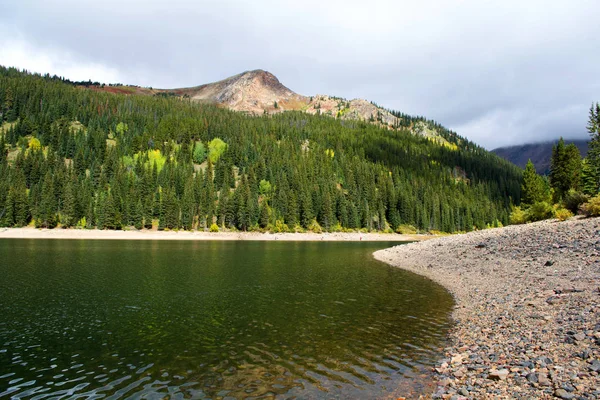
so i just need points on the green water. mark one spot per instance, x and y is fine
(157, 319)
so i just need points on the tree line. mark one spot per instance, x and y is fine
(70, 156)
(572, 185)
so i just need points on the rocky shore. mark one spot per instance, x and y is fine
(527, 309)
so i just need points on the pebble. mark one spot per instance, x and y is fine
(563, 394)
(527, 309)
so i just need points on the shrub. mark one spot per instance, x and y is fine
(315, 227)
(337, 228)
(299, 229)
(82, 223)
(214, 227)
(573, 200)
(563, 214)
(280, 227)
(540, 211)
(406, 230)
(592, 207)
(518, 216)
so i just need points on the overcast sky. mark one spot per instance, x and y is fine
(498, 72)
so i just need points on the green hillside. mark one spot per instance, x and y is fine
(75, 156)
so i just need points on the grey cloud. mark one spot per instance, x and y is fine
(498, 72)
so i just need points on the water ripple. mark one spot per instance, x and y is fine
(146, 320)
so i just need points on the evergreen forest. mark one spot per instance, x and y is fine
(72, 156)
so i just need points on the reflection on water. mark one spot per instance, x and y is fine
(112, 319)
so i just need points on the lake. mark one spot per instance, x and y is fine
(177, 319)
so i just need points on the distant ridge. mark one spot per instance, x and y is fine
(539, 153)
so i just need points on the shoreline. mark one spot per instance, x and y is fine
(95, 234)
(527, 313)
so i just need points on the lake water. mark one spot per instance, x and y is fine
(159, 319)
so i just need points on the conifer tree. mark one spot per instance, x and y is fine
(170, 210)
(565, 169)
(376, 177)
(327, 215)
(306, 210)
(209, 195)
(3, 150)
(7, 215)
(90, 215)
(589, 178)
(148, 213)
(111, 217)
(264, 214)
(68, 217)
(47, 210)
(187, 206)
(593, 155)
(291, 217)
(533, 188)
(138, 218)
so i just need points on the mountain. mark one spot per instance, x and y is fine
(538, 153)
(258, 92)
(116, 156)
(251, 91)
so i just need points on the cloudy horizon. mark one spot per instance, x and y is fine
(497, 72)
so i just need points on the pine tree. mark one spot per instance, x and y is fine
(8, 112)
(306, 210)
(252, 209)
(565, 169)
(533, 188)
(342, 210)
(47, 210)
(593, 155)
(170, 213)
(90, 215)
(327, 215)
(7, 215)
(291, 217)
(264, 214)
(111, 217)
(20, 200)
(100, 208)
(138, 217)
(377, 176)
(3, 150)
(187, 206)
(68, 217)
(148, 213)
(589, 179)
(573, 166)
(209, 195)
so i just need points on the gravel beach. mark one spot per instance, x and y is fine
(527, 309)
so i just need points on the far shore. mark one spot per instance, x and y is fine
(95, 234)
(527, 309)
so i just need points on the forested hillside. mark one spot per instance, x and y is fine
(78, 157)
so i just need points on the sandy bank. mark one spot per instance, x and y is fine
(528, 309)
(32, 233)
